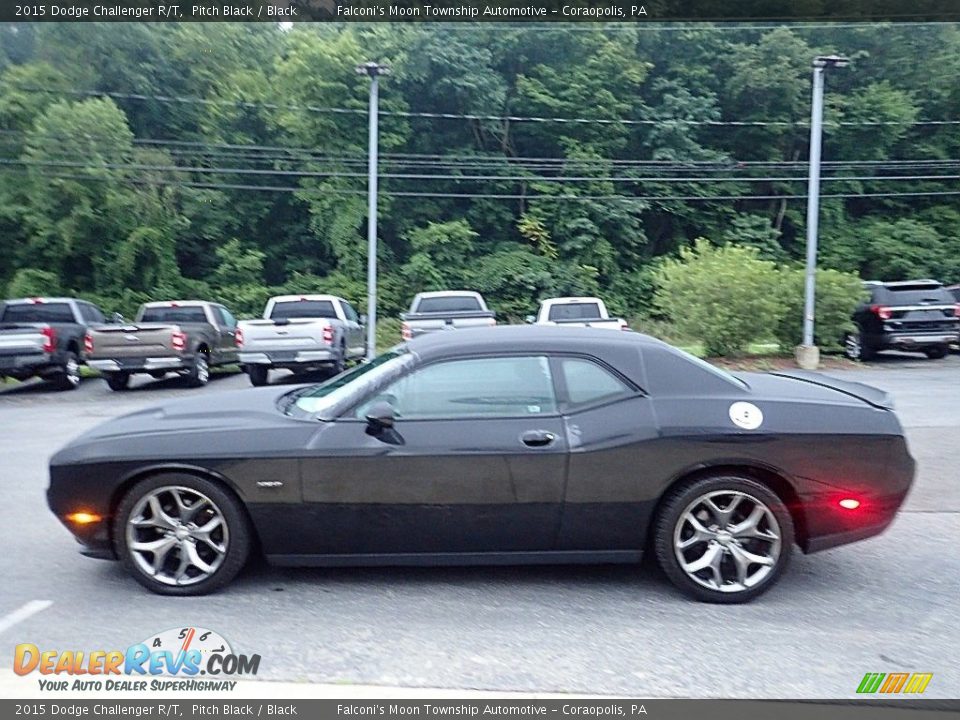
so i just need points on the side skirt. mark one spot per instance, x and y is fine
(556, 557)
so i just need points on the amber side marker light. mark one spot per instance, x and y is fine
(849, 504)
(83, 518)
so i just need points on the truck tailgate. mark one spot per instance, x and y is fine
(292, 334)
(21, 339)
(129, 341)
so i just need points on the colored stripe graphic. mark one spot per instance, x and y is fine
(894, 682)
(918, 682)
(871, 682)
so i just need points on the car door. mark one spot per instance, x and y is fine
(227, 341)
(613, 442)
(475, 463)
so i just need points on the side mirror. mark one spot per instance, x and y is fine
(363, 319)
(117, 319)
(380, 416)
(530, 319)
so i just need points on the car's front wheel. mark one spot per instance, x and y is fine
(181, 535)
(723, 539)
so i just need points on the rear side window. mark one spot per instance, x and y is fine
(174, 315)
(588, 383)
(227, 319)
(39, 313)
(303, 309)
(448, 304)
(91, 314)
(574, 311)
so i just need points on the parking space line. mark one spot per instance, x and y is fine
(22, 613)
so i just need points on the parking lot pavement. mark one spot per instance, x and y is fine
(886, 604)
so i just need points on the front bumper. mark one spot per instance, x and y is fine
(146, 364)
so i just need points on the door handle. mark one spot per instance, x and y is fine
(537, 438)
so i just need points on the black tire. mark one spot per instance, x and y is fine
(670, 526)
(117, 381)
(199, 373)
(236, 536)
(69, 376)
(259, 375)
(856, 348)
(937, 352)
(341, 363)
(158, 374)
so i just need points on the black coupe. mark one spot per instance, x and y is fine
(504, 445)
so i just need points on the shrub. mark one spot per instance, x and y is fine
(725, 296)
(836, 297)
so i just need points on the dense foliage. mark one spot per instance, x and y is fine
(229, 160)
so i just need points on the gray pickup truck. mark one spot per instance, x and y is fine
(445, 310)
(44, 337)
(187, 337)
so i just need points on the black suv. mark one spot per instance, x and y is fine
(917, 315)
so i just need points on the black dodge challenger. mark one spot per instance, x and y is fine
(501, 445)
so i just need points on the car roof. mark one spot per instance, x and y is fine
(40, 299)
(524, 338)
(449, 293)
(177, 303)
(304, 296)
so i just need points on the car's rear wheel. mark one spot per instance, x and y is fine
(181, 535)
(199, 373)
(259, 375)
(117, 381)
(723, 539)
(69, 376)
(937, 352)
(856, 349)
(158, 374)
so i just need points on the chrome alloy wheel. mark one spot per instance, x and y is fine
(71, 372)
(177, 535)
(203, 370)
(852, 346)
(727, 540)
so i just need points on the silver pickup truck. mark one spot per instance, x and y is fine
(446, 310)
(301, 333)
(187, 337)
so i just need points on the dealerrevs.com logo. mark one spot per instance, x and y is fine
(889, 683)
(181, 659)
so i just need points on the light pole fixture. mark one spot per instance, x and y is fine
(373, 70)
(808, 355)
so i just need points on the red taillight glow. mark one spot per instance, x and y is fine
(849, 504)
(956, 310)
(328, 334)
(405, 332)
(49, 339)
(178, 340)
(37, 301)
(882, 311)
(88, 343)
(238, 337)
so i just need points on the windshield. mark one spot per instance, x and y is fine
(321, 398)
(455, 303)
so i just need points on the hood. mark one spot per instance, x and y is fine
(235, 410)
(802, 384)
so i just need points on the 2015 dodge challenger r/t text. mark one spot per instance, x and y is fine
(501, 445)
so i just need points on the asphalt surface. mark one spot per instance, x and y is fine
(883, 605)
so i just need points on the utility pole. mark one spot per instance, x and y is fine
(374, 71)
(808, 354)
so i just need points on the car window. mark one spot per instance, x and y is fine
(39, 312)
(484, 387)
(226, 318)
(913, 295)
(451, 303)
(172, 314)
(349, 312)
(587, 382)
(574, 311)
(355, 382)
(90, 314)
(287, 310)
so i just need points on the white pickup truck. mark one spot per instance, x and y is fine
(445, 310)
(578, 312)
(301, 333)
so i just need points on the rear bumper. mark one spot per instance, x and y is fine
(908, 339)
(287, 358)
(145, 364)
(27, 364)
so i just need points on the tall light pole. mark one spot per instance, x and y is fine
(374, 71)
(808, 355)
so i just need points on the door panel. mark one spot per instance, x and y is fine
(451, 486)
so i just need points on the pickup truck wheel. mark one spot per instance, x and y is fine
(937, 352)
(117, 381)
(199, 373)
(69, 377)
(856, 348)
(259, 375)
(341, 364)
